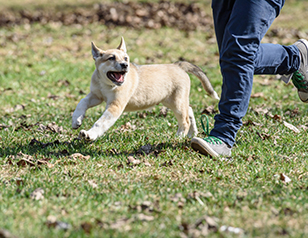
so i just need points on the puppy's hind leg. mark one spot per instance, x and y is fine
(181, 114)
(193, 130)
(183, 123)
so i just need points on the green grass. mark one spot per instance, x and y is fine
(45, 71)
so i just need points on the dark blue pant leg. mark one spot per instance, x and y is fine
(240, 25)
(276, 59)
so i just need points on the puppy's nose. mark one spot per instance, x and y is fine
(124, 65)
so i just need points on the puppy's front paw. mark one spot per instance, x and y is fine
(87, 135)
(76, 123)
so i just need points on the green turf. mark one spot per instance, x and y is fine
(173, 191)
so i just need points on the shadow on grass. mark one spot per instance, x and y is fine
(60, 149)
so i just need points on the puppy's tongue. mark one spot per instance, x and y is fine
(118, 77)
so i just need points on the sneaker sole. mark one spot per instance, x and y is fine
(202, 147)
(303, 96)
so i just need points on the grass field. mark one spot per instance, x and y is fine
(139, 179)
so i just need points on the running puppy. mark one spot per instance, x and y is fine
(128, 87)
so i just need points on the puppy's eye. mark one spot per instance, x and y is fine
(125, 58)
(111, 58)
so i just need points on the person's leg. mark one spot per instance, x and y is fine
(248, 22)
(239, 26)
(221, 15)
(270, 58)
(276, 59)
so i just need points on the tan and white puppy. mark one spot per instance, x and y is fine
(128, 87)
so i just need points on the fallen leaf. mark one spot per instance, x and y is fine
(292, 113)
(6, 234)
(122, 223)
(143, 217)
(177, 197)
(63, 82)
(287, 211)
(275, 117)
(231, 229)
(142, 115)
(251, 123)
(261, 110)
(209, 110)
(201, 228)
(87, 227)
(37, 194)
(3, 126)
(54, 97)
(291, 127)
(265, 82)
(55, 128)
(79, 156)
(303, 127)
(23, 160)
(92, 184)
(132, 161)
(146, 206)
(196, 194)
(19, 182)
(163, 111)
(45, 162)
(146, 163)
(211, 222)
(16, 108)
(167, 163)
(257, 95)
(263, 136)
(127, 127)
(52, 222)
(285, 178)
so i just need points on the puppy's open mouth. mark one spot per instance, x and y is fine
(116, 77)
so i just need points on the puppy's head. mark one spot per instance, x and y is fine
(112, 65)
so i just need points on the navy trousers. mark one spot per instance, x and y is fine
(240, 26)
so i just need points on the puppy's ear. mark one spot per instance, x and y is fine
(95, 51)
(122, 45)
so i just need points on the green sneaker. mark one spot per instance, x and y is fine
(300, 77)
(210, 145)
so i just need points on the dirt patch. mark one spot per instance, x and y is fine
(187, 17)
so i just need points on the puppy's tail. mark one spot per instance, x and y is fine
(198, 72)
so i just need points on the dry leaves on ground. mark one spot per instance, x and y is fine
(37, 194)
(210, 110)
(132, 161)
(257, 95)
(53, 222)
(201, 228)
(291, 127)
(6, 234)
(230, 229)
(146, 206)
(126, 127)
(184, 16)
(23, 160)
(284, 178)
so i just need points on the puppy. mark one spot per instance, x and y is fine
(129, 87)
